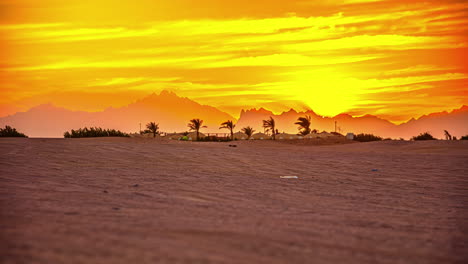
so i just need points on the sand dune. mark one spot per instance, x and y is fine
(154, 201)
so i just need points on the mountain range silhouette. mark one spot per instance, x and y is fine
(173, 113)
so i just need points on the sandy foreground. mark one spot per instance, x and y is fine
(120, 200)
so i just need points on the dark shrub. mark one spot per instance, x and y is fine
(215, 139)
(424, 136)
(8, 131)
(366, 138)
(464, 137)
(94, 132)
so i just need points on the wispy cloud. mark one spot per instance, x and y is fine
(332, 55)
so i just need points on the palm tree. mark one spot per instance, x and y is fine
(269, 124)
(248, 131)
(229, 125)
(153, 128)
(196, 124)
(447, 135)
(304, 125)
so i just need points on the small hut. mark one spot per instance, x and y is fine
(193, 135)
(286, 136)
(325, 134)
(260, 136)
(312, 135)
(175, 136)
(240, 136)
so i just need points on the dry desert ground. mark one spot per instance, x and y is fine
(127, 200)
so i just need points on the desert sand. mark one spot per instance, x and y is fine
(127, 200)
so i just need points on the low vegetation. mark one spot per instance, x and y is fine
(214, 139)
(464, 137)
(366, 138)
(94, 132)
(423, 136)
(9, 131)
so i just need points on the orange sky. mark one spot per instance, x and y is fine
(394, 59)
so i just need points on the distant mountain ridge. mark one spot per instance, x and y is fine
(169, 110)
(456, 122)
(173, 113)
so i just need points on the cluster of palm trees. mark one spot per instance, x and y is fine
(230, 125)
(197, 124)
(269, 125)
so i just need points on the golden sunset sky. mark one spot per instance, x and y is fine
(394, 59)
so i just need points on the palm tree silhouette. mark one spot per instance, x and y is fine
(447, 135)
(153, 128)
(229, 125)
(196, 124)
(304, 125)
(269, 125)
(248, 131)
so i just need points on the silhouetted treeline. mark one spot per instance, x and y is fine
(9, 131)
(366, 138)
(423, 136)
(94, 132)
(464, 137)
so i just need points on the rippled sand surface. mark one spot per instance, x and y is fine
(120, 200)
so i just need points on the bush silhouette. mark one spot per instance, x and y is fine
(8, 131)
(464, 137)
(366, 137)
(424, 136)
(214, 139)
(94, 132)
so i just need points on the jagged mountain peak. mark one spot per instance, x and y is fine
(173, 113)
(169, 110)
